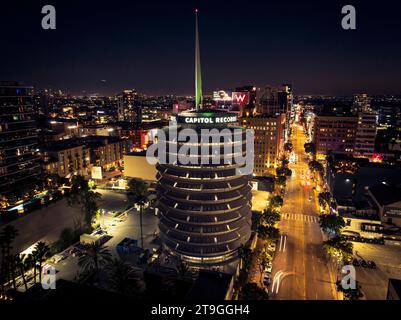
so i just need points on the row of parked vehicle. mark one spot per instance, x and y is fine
(268, 269)
(365, 240)
(363, 263)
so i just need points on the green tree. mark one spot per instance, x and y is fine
(251, 291)
(268, 233)
(332, 224)
(316, 166)
(7, 237)
(139, 189)
(310, 147)
(19, 260)
(284, 171)
(288, 146)
(123, 277)
(270, 217)
(182, 269)
(263, 259)
(281, 181)
(276, 202)
(86, 196)
(324, 199)
(338, 248)
(30, 262)
(41, 253)
(245, 254)
(94, 258)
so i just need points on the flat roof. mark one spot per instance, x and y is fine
(386, 194)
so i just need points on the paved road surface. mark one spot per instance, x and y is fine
(299, 268)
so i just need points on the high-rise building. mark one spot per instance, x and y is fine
(361, 103)
(365, 137)
(244, 100)
(333, 133)
(205, 210)
(269, 102)
(19, 166)
(268, 140)
(204, 206)
(128, 107)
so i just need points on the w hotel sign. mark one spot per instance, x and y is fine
(240, 98)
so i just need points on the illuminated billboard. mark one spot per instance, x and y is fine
(240, 98)
(222, 96)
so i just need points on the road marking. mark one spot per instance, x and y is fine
(281, 242)
(278, 277)
(301, 217)
(285, 241)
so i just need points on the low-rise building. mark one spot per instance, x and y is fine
(136, 165)
(394, 289)
(66, 158)
(268, 141)
(107, 152)
(334, 134)
(388, 200)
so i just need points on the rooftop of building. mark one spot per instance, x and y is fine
(263, 116)
(66, 144)
(396, 284)
(386, 194)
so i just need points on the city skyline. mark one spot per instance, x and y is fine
(272, 174)
(149, 47)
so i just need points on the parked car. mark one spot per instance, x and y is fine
(371, 264)
(363, 263)
(268, 269)
(266, 280)
(355, 262)
(271, 246)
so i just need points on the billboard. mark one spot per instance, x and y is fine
(222, 96)
(240, 98)
(97, 173)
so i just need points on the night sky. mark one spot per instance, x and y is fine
(149, 46)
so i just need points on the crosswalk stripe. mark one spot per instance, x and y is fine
(300, 217)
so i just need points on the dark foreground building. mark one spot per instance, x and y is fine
(19, 166)
(205, 209)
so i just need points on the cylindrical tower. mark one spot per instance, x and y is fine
(204, 209)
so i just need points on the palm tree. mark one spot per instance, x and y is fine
(139, 189)
(94, 257)
(245, 254)
(30, 262)
(41, 253)
(123, 277)
(11, 270)
(81, 193)
(182, 269)
(7, 237)
(19, 260)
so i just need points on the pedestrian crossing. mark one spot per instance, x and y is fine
(299, 217)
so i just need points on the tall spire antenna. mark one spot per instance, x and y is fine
(198, 75)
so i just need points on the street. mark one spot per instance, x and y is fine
(300, 271)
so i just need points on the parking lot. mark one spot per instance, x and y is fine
(374, 282)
